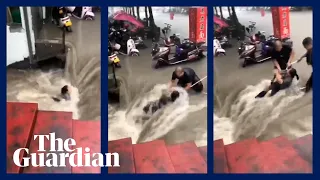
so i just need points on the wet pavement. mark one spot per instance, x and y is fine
(86, 36)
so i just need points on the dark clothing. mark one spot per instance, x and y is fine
(276, 87)
(152, 107)
(282, 56)
(156, 105)
(189, 76)
(309, 62)
(309, 57)
(309, 84)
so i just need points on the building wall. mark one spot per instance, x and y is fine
(17, 45)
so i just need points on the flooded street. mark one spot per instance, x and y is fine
(180, 124)
(82, 73)
(238, 115)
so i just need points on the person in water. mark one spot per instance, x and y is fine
(163, 101)
(186, 77)
(65, 93)
(280, 82)
(307, 44)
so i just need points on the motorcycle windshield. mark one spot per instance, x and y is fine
(122, 16)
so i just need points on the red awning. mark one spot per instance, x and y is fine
(122, 16)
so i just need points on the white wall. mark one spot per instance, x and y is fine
(17, 45)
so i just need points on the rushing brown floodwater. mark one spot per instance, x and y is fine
(237, 115)
(183, 121)
(82, 73)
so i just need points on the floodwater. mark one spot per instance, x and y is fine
(82, 74)
(237, 114)
(183, 121)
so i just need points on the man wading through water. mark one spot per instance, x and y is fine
(186, 78)
(307, 44)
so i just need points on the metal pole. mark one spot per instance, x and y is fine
(28, 32)
(64, 40)
(114, 74)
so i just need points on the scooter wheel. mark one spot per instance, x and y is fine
(201, 55)
(134, 54)
(88, 18)
(155, 64)
(69, 29)
(244, 64)
(118, 65)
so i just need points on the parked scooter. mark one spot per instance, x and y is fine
(122, 46)
(113, 58)
(81, 12)
(65, 21)
(252, 27)
(61, 18)
(187, 51)
(171, 40)
(224, 42)
(217, 49)
(167, 28)
(249, 53)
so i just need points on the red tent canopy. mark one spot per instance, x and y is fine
(122, 16)
(220, 22)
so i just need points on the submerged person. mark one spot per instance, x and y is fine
(163, 101)
(186, 78)
(280, 82)
(64, 94)
(307, 44)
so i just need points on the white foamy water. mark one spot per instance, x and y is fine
(39, 87)
(265, 117)
(134, 123)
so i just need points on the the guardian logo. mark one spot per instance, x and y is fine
(62, 154)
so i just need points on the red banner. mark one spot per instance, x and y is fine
(263, 12)
(198, 24)
(281, 22)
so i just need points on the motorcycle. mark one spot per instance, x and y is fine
(224, 42)
(138, 41)
(113, 59)
(248, 50)
(172, 40)
(217, 49)
(251, 28)
(81, 12)
(167, 28)
(64, 20)
(187, 51)
(125, 47)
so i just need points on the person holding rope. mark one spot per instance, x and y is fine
(186, 78)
